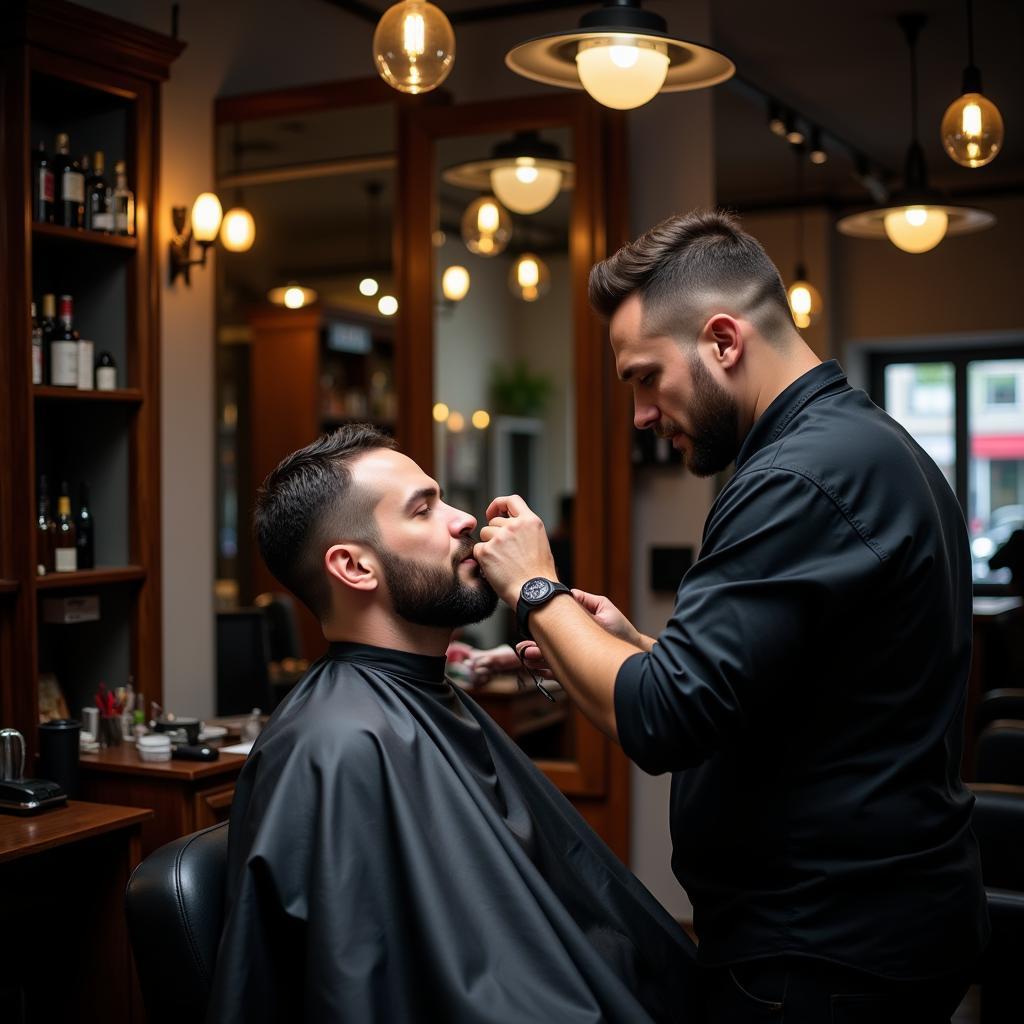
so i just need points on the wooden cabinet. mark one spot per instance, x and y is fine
(68, 69)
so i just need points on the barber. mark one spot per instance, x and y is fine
(808, 691)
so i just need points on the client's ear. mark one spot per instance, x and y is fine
(353, 565)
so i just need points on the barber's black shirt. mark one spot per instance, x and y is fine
(808, 693)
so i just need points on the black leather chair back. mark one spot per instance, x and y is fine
(1000, 753)
(175, 908)
(243, 662)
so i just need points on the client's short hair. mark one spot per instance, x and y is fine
(686, 266)
(308, 502)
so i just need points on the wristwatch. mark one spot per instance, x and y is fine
(535, 592)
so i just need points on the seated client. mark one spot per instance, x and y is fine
(393, 856)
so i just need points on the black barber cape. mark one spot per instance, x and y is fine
(395, 858)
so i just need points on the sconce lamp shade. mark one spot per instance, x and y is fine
(292, 296)
(620, 54)
(238, 230)
(525, 173)
(529, 277)
(455, 283)
(206, 217)
(486, 227)
(414, 46)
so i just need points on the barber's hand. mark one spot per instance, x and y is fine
(530, 655)
(606, 615)
(514, 547)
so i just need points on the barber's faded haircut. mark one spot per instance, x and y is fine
(310, 501)
(684, 259)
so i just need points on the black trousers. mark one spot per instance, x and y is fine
(802, 990)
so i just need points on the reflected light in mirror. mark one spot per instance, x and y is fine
(387, 305)
(916, 228)
(620, 71)
(526, 187)
(486, 227)
(206, 217)
(368, 287)
(238, 230)
(414, 46)
(440, 412)
(481, 419)
(455, 283)
(292, 296)
(456, 422)
(529, 277)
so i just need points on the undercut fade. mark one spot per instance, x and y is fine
(688, 267)
(309, 502)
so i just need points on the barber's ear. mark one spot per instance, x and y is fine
(725, 336)
(353, 565)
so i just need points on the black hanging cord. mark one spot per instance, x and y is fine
(970, 33)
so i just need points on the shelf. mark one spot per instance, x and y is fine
(103, 576)
(83, 236)
(132, 396)
(8, 587)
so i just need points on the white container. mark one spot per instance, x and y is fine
(154, 747)
(85, 371)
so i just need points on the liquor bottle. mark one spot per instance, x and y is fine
(64, 348)
(98, 214)
(84, 526)
(71, 185)
(106, 372)
(65, 549)
(37, 349)
(46, 529)
(42, 186)
(123, 202)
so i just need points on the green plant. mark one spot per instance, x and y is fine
(515, 391)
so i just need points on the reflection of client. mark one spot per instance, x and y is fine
(393, 857)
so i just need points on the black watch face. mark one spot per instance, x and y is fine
(536, 589)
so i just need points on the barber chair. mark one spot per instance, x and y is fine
(999, 825)
(282, 624)
(1006, 702)
(175, 909)
(999, 754)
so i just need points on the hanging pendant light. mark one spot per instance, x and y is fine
(804, 299)
(486, 227)
(292, 295)
(414, 46)
(526, 173)
(455, 283)
(622, 55)
(917, 217)
(972, 127)
(529, 277)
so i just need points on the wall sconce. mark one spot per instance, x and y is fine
(206, 218)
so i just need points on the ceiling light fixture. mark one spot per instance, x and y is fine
(529, 277)
(794, 136)
(804, 299)
(816, 153)
(525, 173)
(916, 218)
(620, 54)
(486, 227)
(292, 296)
(776, 122)
(414, 46)
(972, 127)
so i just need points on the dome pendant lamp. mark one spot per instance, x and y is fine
(917, 217)
(622, 55)
(972, 127)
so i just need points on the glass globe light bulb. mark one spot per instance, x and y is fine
(916, 228)
(620, 71)
(238, 230)
(455, 283)
(804, 302)
(524, 187)
(369, 287)
(206, 217)
(294, 298)
(529, 277)
(972, 130)
(414, 46)
(486, 227)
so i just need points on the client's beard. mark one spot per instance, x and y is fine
(429, 595)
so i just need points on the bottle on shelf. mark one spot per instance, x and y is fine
(65, 546)
(37, 348)
(84, 528)
(98, 196)
(85, 368)
(42, 186)
(70, 182)
(49, 327)
(106, 372)
(46, 530)
(64, 348)
(123, 202)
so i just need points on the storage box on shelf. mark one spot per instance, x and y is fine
(70, 70)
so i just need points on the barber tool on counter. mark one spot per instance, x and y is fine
(19, 795)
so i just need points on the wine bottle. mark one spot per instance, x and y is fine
(84, 526)
(37, 348)
(65, 549)
(64, 348)
(106, 372)
(42, 186)
(98, 213)
(68, 177)
(46, 529)
(123, 202)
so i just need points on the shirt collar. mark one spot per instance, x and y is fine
(827, 376)
(424, 667)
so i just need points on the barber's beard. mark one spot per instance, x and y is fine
(715, 421)
(431, 595)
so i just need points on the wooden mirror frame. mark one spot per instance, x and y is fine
(598, 779)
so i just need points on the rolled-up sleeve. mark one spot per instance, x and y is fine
(782, 560)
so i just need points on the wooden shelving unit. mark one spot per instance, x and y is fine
(71, 69)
